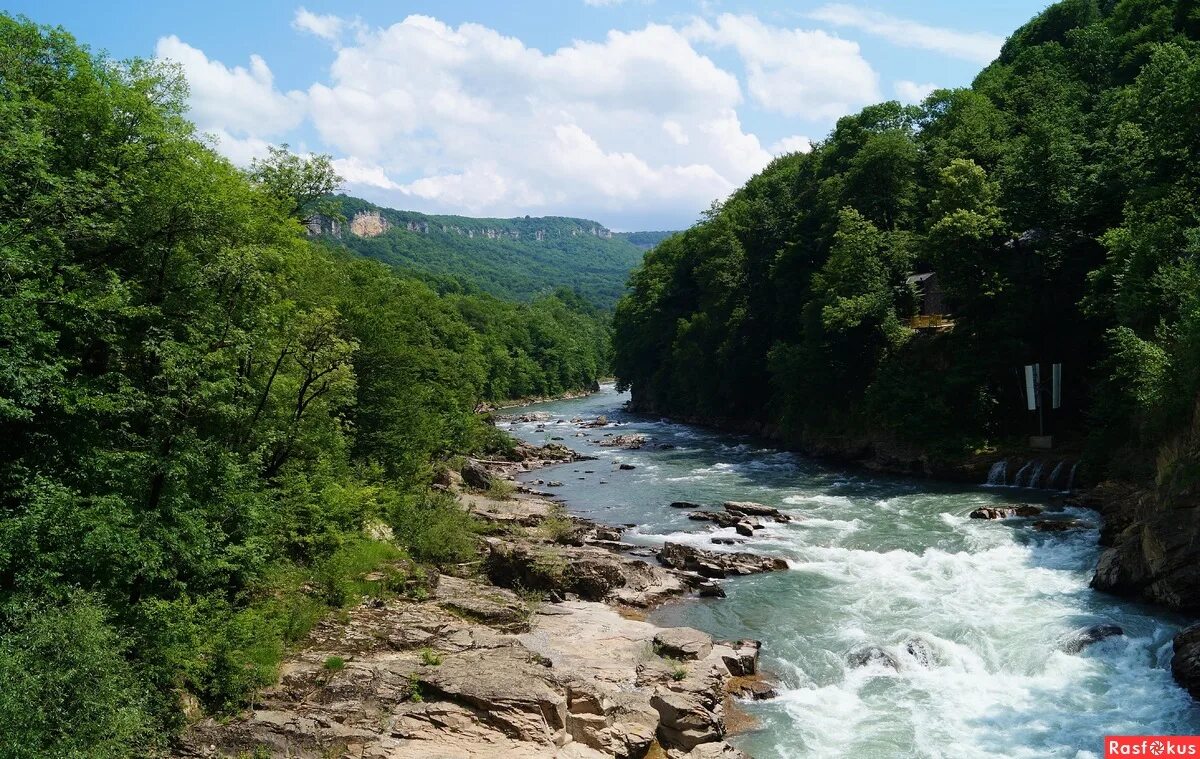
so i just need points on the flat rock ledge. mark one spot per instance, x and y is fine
(475, 672)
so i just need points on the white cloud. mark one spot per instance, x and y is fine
(912, 92)
(637, 127)
(676, 132)
(325, 26)
(978, 47)
(234, 103)
(794, 71)
(467, 119)
(793, 144)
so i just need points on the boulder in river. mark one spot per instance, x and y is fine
(1058, 525)
(872, 656)
(921, 650)
(626, 467)
(716, 564)
(685, 505)
(720, 518)
(1004, 512)
(1080, 639)
(750, 508)
(630, 442)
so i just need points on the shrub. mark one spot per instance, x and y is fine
(557, 526)
(66, 689)
(433, 527)
(501, 490)
(335, 664)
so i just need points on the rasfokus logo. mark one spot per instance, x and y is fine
(1151, 745)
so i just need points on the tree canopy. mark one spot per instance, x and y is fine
(1056, 201)
(205, 416)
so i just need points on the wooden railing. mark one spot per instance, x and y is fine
(930, 321)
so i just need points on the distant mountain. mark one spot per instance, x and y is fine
(515, 259)
(645, 240)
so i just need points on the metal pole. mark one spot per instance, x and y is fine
(1037, 373)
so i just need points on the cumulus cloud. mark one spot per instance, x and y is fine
(977, 47)
(912, 92)
(234, 103)
(795, 72)
(325, 26)
(793, 144)
(465, 118)
(638, 126)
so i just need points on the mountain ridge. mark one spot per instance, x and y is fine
(519, 258)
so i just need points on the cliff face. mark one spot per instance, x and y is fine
(368, 224)
(1152, 549)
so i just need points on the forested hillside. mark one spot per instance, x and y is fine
(517, 259)
(1058, 202)
(204, 415)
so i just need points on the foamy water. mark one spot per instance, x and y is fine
(882, 562)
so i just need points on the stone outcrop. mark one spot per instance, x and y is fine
(476, 476)
(683, 643)
(719, 518)
(368, 224)
(1153, 551)
(420, 679)
(749, 508)
(872, 656)
(629, 442)
(1005, 512)
(1185, 664)
(472, 670)
(716, 564)
(1080, 639)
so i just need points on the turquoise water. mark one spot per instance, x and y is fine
(876, 561)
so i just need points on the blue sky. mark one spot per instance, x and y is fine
(637, 113)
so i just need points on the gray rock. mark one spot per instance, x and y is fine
(714, 564)
(495, 607)
(751, 508)
(720, 518)
(868, 656)
(685, 722)
(1080, 639)
(1185, 664)
(683, 643)
(476, 476)
(921, 650)
(739, 656)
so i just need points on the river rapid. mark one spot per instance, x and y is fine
(878, 561)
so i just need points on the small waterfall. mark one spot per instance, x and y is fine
(1071, 478)
(1021, 473)
(1054, 473)
(998, 474)
(1035, 475)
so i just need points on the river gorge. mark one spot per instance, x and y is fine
(973, 624)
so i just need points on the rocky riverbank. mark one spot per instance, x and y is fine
(1152, 553)
(539, 650)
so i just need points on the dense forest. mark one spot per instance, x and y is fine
(516, 259)
(204, 416)
(1057, 200)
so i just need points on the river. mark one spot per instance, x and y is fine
(878, 561)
